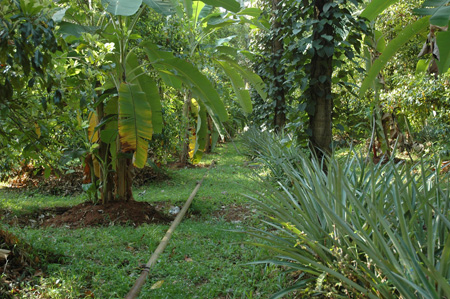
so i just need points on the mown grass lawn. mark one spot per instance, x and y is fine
(205, 258)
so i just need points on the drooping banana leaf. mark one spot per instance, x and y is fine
(135, 125)
(135, 75)
(122, 7)
(230, 5)
(163, 7)
(154, 54)
(438, 10)
(242, 94)
(248, 75)
(198, 83)
(376, 7)
(392, 48)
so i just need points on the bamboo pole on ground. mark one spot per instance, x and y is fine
(136, 289)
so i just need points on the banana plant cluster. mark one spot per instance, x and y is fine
(127, 111)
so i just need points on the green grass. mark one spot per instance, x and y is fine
(204, 259)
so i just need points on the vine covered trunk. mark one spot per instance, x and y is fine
(320, 121)
(279, 119)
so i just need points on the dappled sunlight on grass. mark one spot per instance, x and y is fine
(205, 257)
(26, 201)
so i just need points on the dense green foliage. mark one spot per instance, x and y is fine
(106, 86)
(381, 231)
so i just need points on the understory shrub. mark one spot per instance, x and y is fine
(360, 230)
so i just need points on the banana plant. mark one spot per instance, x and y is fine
(203, 21)
(127, 107)
(434, 12)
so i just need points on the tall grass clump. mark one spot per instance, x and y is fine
(360, 230)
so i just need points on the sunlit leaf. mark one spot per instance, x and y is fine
(163, 7)
(405, 35)
(230, 5)
(122, 7)
(375, 7)
(135, 126)
(443, 43)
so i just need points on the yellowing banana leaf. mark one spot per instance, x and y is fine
(135, 75)
(93, 122)
(201, 134)
(135, 125)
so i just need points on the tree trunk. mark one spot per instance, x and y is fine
(106, 171)
(278, 95)
(124, 177)
(184, 157)
(320, 120)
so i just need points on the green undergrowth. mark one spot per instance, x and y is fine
(225, 183)
(204, 259)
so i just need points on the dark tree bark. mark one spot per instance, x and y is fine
(320, 85)
(278, 73)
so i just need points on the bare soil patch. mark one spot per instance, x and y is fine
(235, 213)
(88, 214)
(70, 183)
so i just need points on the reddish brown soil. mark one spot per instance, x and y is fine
(87, 214)
(71, 182)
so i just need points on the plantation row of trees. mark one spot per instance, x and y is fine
(106, 83)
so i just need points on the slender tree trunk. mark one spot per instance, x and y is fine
(184, 157)
(320, 86)
(124, 178)
(278, 73)
(106, 171)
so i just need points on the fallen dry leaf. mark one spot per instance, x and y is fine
(157, 285)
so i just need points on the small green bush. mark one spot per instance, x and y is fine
(359, 230)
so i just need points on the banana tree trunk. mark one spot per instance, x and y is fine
(124, 178)
(184, 157)
(106, 171)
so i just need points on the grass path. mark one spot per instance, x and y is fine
(204, 259)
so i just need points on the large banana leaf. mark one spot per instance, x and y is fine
(439, 10)
(443, 43)
(122, 7)
(248, 75)
(163, 7)
(376, 7)
(238, 84)
(198, 83)
(135, 75)
(154, 54)
(230, 5)
(135, 125)
(406, 34)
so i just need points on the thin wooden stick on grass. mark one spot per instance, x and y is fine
(136, 289)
